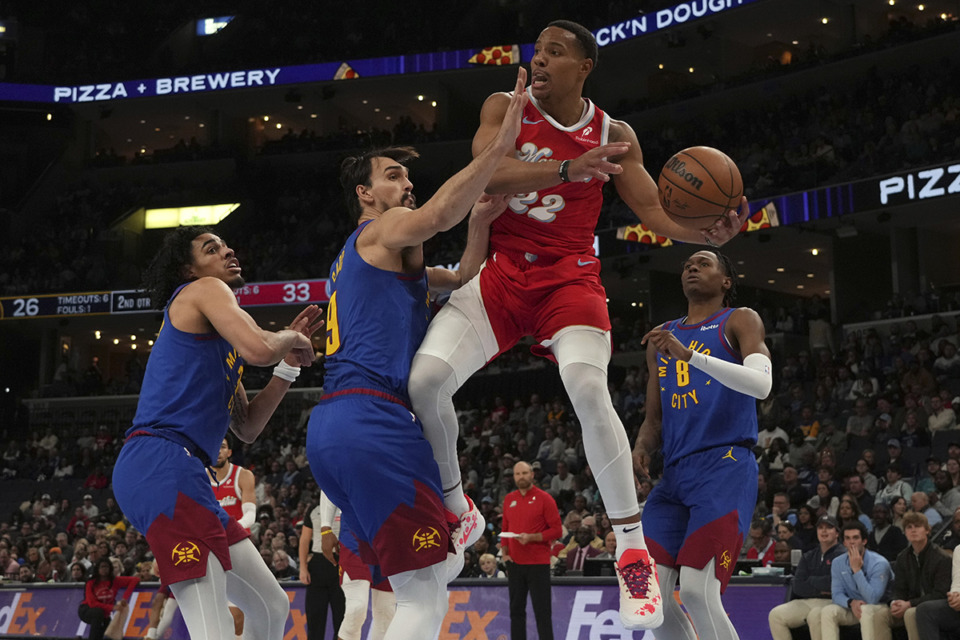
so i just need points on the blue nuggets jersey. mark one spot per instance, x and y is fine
(376, 319)
(190, 388)
(699, 412)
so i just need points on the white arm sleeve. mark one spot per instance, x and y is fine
(249, 514)
(328, 511)
(754, 377)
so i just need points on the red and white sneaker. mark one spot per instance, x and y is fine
(471, 527)
(641, 606)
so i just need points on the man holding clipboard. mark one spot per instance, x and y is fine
(531, 522)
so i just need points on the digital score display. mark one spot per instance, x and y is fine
(69, 305)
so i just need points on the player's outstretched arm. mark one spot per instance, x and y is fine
(252, 416)
(639, 191)
(485, 210)
(648, 440)
(400, 228)
(515, 176)
(212, 298)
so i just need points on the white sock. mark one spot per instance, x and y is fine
(455, 500)
(629, 536)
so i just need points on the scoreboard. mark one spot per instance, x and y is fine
(70, 305)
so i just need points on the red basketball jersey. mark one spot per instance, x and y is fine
(561, 220)
(228, 492)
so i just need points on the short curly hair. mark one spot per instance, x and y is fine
(167, 270)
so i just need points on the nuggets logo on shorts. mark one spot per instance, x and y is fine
(725, 559)
(426, 539)
(185, 552)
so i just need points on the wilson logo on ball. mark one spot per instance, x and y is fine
(679, 167)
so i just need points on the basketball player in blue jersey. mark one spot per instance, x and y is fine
(192, 393)
(366, 448)
(706, 370)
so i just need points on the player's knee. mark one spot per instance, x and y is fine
(440, 605)
(695, 597)
(354, 615)
(428, 377)
(277, 605)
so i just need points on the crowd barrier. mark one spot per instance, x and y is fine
(583, 609)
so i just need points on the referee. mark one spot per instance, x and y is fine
(321, 577)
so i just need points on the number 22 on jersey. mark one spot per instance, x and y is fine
(550, 205)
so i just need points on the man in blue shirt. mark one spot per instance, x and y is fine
(861, 584)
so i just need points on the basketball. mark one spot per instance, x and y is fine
(699, 185)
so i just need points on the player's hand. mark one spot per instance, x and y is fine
(594, 163)
(304, 574)
(307, 323)
(506, 138)
(953, 599)
(641, 456)
(488, 207)
(727, 226)
(329, 545)
(524, 538)
(667, 344)
(857, 608)
(301, 354)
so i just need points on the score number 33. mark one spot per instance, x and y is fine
(549, 206)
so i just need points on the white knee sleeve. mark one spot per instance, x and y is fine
(384, 606)
(675, 625)
(700, 593)
(255, 590)
(432, 385)
(421, 603)
(457, 345)
(583, 354)
(357, 594)
(203, 603)
(170, 607)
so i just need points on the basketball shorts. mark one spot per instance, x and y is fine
(352, 566)
(701, 509)
(369, 455)
(164, 491)
(538, 299)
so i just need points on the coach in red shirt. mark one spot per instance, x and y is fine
(531, 515)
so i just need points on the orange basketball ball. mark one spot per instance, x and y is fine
(699, 185)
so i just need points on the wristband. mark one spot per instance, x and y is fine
(286, 372)
(563, 171)
(323, 533)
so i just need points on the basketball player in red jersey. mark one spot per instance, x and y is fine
(234, 488)
(542, 279)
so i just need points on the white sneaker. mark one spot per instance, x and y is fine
(471, 527)
(641, 606)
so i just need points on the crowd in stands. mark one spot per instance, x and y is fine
(865, 429)
(138, 39)
(881, 122)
